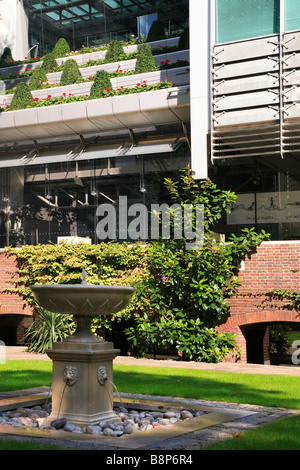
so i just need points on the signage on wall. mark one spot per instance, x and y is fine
(271, 208)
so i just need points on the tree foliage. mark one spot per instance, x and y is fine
(71, 73)
(22, 97)
(61, 48)
(114, 52)
(181, 295)
(145, 61)
(101, 84)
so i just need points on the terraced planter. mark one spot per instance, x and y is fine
(166, 106)
(84, 58)
(178, 76)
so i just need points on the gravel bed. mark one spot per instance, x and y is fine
(130, 421)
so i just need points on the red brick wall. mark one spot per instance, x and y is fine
(10, 303)
(275, 265)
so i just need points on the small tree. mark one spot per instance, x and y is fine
(61, 48)
(185, 296)
(37, 78)
(145, 61)
(22, 97)
(184, 40)
(101, 83)
(114, 52)
(71, 73)
(156, 31)
(49, 63)
(6, 57)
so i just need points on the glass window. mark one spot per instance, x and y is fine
(242, 19)
(292, 15)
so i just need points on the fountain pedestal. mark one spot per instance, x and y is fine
(82, 383)
(82, 390)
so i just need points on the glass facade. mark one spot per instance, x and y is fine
(93, 23)
(267, 197)
(292, 15)
(40, 203)
(242, 19)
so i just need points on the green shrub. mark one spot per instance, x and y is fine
(101, 82)
(184, 40)
(61, 48)
(22, 97)
(6, 57)
(156, 31)
(145, 61)
(49, 63)
(37, 78)
(71, 73)
(114, 52)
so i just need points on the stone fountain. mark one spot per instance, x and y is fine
(82, 382)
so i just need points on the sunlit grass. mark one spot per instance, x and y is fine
(279, 435)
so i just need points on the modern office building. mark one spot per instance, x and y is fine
(233, 114)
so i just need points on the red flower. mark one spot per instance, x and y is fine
(138, 84)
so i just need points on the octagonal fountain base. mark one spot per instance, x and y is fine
(82, 382)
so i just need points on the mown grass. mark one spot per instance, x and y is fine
(265, 390)
(279, 435)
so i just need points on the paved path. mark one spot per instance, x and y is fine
(18, 353)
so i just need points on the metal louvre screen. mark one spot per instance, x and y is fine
(242, 19)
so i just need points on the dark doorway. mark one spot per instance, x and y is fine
(8, 335)
(255, 349)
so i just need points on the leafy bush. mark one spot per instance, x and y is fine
(145, 61)
(22, 97)
(184, 40)
(190, 339)
(48, 328)
(101, 83)
(37, 78)
(49, 63)
(114, 52)
(71, 73)
(279, 338)
(61, 48)
(6, 57)
(156, 31)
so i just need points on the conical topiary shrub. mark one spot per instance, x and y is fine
(156, 31)
(71, 73)
(22, 97)
(6, 57)
(101, 82)
(37, 78)
(114, 52)
(61, 48)
(184, 40)
(145, 61)
(49, 63)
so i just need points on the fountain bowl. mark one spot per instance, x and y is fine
(82, 299)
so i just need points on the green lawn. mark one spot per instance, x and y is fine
(265, 390)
